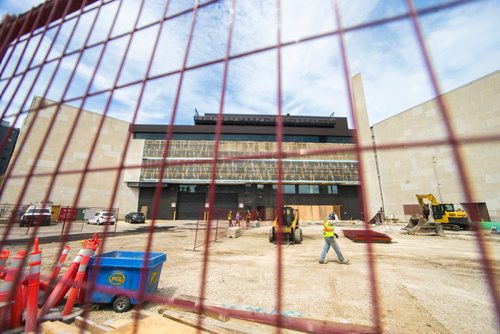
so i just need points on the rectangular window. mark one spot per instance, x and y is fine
(289, 189)
(186, 188)
(260, 188)
(308, 189)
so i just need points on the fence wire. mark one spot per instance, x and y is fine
(81, 53)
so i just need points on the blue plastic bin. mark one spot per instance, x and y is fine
(122, 269)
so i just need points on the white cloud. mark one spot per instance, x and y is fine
(390, 59)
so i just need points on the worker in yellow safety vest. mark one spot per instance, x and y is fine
(329, 235)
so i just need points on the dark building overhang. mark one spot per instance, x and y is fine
(256, 125)
(235, 129)
(268, 120)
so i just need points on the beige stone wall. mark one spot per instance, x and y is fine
(98, 186)
(474, 111)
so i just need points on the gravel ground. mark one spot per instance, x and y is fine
(424, 284)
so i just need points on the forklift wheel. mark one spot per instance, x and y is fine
(121, 304)
(297, 235)
(271, 235)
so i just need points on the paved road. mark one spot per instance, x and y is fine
(79, 231)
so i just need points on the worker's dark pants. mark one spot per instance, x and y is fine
(330, 242)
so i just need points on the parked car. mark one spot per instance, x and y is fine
(36, 215)
(103, 217)
(135, 217)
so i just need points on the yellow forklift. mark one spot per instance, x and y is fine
(289, 229)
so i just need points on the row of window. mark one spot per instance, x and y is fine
(287, 188)
(307, 189)
(245, 137)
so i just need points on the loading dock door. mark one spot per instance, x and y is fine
(189, 205)
(227, 201)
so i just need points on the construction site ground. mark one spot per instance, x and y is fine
(425, 284)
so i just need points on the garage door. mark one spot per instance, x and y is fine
(226, 201)
(189, 205)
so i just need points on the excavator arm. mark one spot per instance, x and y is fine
(430, 197)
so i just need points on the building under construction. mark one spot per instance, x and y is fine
(243, 183)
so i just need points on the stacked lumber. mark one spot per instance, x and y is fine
(181, 317)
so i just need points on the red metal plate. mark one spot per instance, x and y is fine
(367, 236)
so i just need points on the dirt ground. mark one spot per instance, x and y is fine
(426, 284)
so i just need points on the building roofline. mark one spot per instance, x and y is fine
(240, 129)
(271, 120)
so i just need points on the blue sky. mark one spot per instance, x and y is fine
(463, 41)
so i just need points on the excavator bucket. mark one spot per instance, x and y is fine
(411, 223)
(420, 226)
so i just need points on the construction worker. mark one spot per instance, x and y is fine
(329, 235)
(237, 221)
(230, 218)
(248, 216)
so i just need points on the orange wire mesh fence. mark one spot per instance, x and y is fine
(144, 66)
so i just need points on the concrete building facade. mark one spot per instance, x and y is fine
(69, 145)
(473, 112)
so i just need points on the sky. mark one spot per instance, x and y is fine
(463, 43)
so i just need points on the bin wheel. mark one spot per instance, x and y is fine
(121, 304)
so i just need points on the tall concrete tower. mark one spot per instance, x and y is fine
(369, 178)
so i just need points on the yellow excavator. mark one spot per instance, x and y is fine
(289, 229)
(444, 214)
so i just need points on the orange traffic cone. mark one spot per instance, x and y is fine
(63, 285)
(33, 287)
(4, 255)
(77, 284)
(57, 268)
(8, 290)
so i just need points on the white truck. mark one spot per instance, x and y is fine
(36, 215)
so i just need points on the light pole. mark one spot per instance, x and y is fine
(437, 180)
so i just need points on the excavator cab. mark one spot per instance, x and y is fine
(439, 210)
(289, 229)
